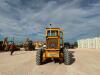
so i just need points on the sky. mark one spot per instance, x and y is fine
(79, 19)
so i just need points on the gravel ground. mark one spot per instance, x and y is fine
(86, 62)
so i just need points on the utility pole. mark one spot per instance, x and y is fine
(13, 39)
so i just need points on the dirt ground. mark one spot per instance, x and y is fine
(86, 62)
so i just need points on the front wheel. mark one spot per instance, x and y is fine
(39, 56)
(67, 57)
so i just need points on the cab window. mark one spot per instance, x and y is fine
(52, 33)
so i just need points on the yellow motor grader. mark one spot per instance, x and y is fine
(54, 47)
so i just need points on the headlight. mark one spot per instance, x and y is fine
(61, 46)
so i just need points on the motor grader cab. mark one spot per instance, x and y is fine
(54, 47)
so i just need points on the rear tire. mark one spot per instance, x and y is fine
(39, 58)
(67, 57)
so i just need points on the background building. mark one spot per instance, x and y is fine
(89, 43)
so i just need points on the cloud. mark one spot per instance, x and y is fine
(28, 18)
